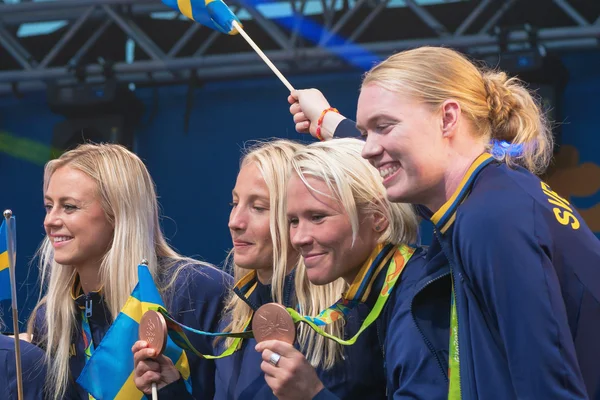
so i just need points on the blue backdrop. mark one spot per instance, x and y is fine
(196, 171)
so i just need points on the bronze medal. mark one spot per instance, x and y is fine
(273, 322)
(153, 329)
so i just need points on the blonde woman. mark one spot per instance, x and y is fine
(344, 227)
(101, 220)
(264, 267)
(466, 144)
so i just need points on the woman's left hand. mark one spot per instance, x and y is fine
(290, 376)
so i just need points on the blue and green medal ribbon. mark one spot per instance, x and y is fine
(395, 258)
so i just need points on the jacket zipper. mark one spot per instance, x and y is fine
(427, 341)
(88, 306)
(382, 347)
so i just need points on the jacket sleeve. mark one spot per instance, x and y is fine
(199, 297)
(507, 256)
(325, 394)
(33, 372)
(346, 128)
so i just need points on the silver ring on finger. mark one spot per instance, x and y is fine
(274, 359)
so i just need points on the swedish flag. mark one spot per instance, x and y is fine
(4, 270)
(212, 13)
(113, 355)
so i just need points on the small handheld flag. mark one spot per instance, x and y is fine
(216, 15)
(4, 269)
(114, 351)
(211, 13)
(8, 253)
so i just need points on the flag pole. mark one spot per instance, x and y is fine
(262, 55)
(11, 242)
(154, 387)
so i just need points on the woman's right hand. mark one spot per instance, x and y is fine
(148, 368)
(306, 106)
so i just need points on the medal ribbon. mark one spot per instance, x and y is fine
(454, 360)
(244, 289)
(395, 258)
(88, 341)
(359, 291)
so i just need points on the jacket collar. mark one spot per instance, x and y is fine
(92, 303)
(445, 216)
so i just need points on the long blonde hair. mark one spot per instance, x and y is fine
(128, 198)
(272, 158)
(500, 108)
(357, 186)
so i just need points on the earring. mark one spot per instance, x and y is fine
(377, 228)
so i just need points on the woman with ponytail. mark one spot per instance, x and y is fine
(465, 144)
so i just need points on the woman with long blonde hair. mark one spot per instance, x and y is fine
(344, 228)
(264, 265)
(101, 220)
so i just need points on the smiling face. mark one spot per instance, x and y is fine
(249, 222)
(321, 231)
(75, 221)
(404, 141)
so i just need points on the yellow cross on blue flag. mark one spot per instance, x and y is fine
(4, 270)
(113, 355)
(212, 13)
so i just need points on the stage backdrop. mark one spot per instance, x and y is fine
(195, 170)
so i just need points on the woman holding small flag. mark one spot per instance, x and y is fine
(466, 143)
(101, 221)
(344, 227)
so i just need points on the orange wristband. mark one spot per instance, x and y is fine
(320, 121)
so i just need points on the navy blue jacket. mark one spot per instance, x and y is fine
(33, 370)
(195, 299)
(526, 271)
(412, 331)
(239, 377)
(358, 377)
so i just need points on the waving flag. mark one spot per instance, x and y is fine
(212, 13)
(113, 354)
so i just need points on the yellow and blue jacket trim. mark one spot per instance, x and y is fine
(113, 355)
(211, 13)
(4, 270)
(445, 216)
